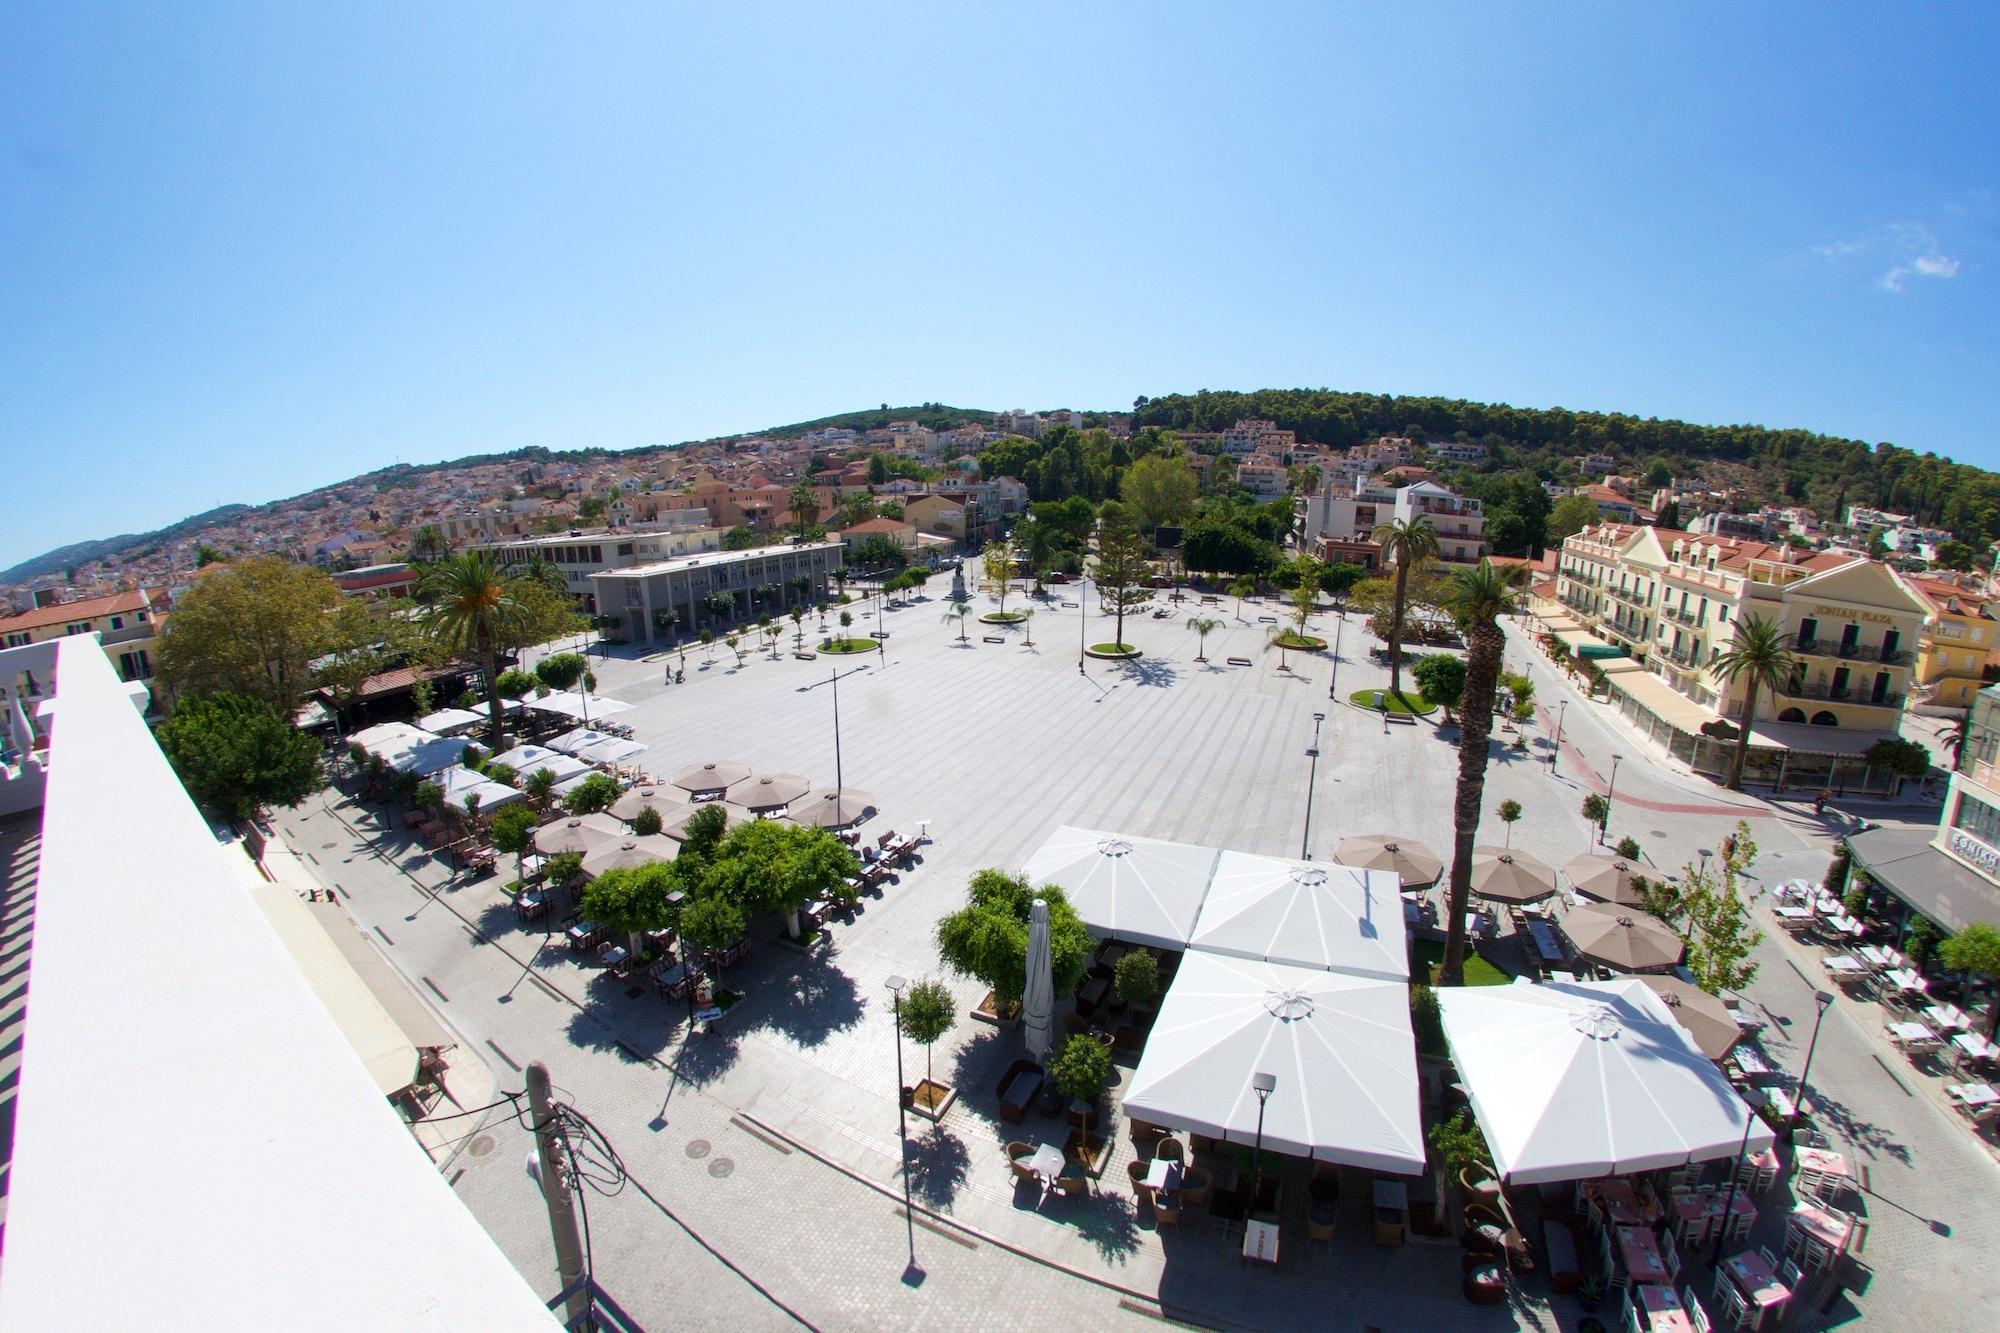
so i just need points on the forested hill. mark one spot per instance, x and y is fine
(936, 416)
(1823, 471)
(77, 553)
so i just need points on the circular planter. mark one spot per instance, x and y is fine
(1112, 652)
(1002, 618)
(1304, 643)
(850, 646)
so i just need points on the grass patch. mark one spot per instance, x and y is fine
(1002, 618)
(1413, 704)
(848, 645)
(1478, 972)
(1113, 648)
(1304, 643)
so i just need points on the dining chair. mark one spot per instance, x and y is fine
(1670, 1256)
(1734, 1309)
(1696, 1315)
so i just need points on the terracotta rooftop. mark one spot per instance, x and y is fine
(86, 608)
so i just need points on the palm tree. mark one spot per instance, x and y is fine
(1408, 542)
(1762, 653)
(1476, 598)
(1243, 587)
(1027, 615)
(471, 608)
(1952, 739)
(804, 501)
(540, 786)
(1203, 626)
(1037, 542)
(798, 615)
(1275, 637)
(959, 611)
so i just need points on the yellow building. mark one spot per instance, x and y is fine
(1656, 608)
(127, 623)
(1959, 639)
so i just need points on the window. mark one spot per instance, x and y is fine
(1977, 818)
(79, 627)
(18, 640)
(118, 622)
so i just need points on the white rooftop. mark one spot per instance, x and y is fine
(1305, 913)
(709, 558)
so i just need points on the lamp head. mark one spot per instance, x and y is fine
(675, 899)
(1264, 1084)
(1822, 998)
(896, 984)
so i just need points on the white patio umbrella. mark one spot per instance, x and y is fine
(1143, 890)
(1038, 1001)
(1575, 1080)
(767, 791)
(1502, 875)
(569, 703)
(597, 747)
(527, 759)
(1339, 1046)
(448, 720)
(1325, 916)
(1415, 864)
(459, 782)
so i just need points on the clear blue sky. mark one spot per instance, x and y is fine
(249, 249)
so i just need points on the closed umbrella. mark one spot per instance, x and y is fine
(649, 796)
(629, 852)
(1038, 1000)
(1608, 879)
(711, 777)
(1415, 864)
(827, 809)
(1706, 1018)
(1501, 875)
(576, 834)
(674, 822)
(1622, 938)
(768, 791)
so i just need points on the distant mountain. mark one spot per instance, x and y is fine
(77, 553)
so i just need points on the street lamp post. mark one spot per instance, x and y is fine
(678, 901)
(1823, 999)
(1562, 710)
(1312, 780)
(839, 780)
(1610, 792)
(1262, 1084)
(1333, 675)
(1729, 1209)
(895, 985)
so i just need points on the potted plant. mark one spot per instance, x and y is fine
(1080, 1071)
(1590, 1291)
(928, 1014)
(1135, 982)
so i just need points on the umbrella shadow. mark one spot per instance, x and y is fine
(939, 1164)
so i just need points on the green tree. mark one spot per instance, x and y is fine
(702, 836)
(1038, 543)
(1476, 598)
(254, 629)
(804, 503)
(878, 471)
(236, 756)
(1081, 1070)
(877, 552)
(1717, 930)
(733, 642)
(767, 863)
(514, 684)
(740, 538)
(596, 792)
(1595, 810)
(1304, 595)
(647, 821)
(1135, 978)
(1571, 515)
(711, 923)
(998, 564)
(1240, 589)
(1203, 626)
(561, 671)
(1509, 812)
(957, 611)
(540, 787)
(1976, 949)
(632, 900)
(1225, 546)
(1440, 679)
(1895, 755)
(987, 939)
(1760, 656)
(1405, 543)
(928, 1014)
(1121, 570)
(513, 831)
(1337, 580)
(1159, 490)
(470, 607)
(427, 545)
(1954, 555)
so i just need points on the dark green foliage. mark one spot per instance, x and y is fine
(1081, 1068)
(1899, 756)
(236, 755)
(1136, 978)
(646, 822)
(988, 937)
(561, 671)
(596, 792)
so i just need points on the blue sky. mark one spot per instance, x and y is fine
(250, 249)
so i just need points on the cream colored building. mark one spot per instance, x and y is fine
(1656, 608)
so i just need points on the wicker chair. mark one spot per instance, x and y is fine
(1018, 1154)
(1135, 1170)
(1166, 1215)
(1195, 1184)
(1073, 1184)
(1169, 1150)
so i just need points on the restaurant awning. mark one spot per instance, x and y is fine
(1576, 1080)
(1587, 645)
(1656, 697)
(1322, 916)
(569, 703)
(409, 749)
(1805, 738)
(1936, 885)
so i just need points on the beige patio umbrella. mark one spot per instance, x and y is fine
(577, 834)
(768, 791)
(1502, 875)
(674, 822)
(827, 809)
(629, 851)
(1415, 864)
(1706, 1018)
(648, 795)
(1608, 879)
(1622, 938)
(715, 776)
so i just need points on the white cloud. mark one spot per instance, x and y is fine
(1936, 266)
(1910, 245)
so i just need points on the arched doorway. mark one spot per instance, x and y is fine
(1792, 715)
(1825, 719)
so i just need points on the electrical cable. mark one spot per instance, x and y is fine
(506, 1099)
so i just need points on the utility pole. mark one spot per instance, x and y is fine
(555, 1193)
(1333, 676)
(1312, 780)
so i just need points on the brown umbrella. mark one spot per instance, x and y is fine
(1501, 875)
(1706, 1018)
(1622, 938)
(711, 777)
(1605, 878)
(674, 822)
(629, 851)
(827, 809)
(1415, 864)
(770, 791)
(648, 795)
(577, 834)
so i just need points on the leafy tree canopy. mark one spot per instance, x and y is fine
(236, 755)
(988, 938)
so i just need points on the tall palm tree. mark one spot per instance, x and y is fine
(470, 607)
(958, 612)
(1952, 740)
(1476, 598)
(1203, 626)
(1408, 542)
(1761, 655)
(804, 501)
(1037, 543)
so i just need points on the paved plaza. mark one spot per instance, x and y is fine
(763, 1158)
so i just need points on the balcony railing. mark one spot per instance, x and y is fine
(1820, 691)
(1682, 616)
(1683, 657)
(1628, 596)
(1859, 652)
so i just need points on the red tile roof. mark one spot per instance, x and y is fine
(87, 608)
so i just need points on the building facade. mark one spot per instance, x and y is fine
(1339, 518)
(581, 556)
(127, 624)
(1959, 637)
(665, 598)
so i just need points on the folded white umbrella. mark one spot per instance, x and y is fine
(1038, 1001)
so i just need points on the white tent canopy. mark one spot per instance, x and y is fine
(525, 759)
(1323, 916)
(1141, 890)
(597, 747)
(1575, 1080)
(570, 703)
(1339, 1046)
(452, 719)
(460, 782)
(409, 749)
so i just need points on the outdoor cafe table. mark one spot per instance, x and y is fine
(1546, 943)
(1621, 1201)
(1751, 1063)
(1758, 1282)
(611, 955)
(1163, 1174)
(1912, 1034)
(1709, 1204)
(1664, 1312)
(1822, 1161)
(1878, 957)
(1943, 1016)
(1903, 979)
(673, 976)
(1843, 964)
(1976, 1046)
(1788, 913)
(1639, 1252)
(1826, 906)
(1973, 1094)
(580, 933)
(1822, 1224)
(1047, 1162)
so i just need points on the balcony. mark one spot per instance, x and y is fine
(1626, 632)
(1860, 652)
(1688, 658)
(1821, 691)
(1682, 616)
(1627, 596)
(1576, 602)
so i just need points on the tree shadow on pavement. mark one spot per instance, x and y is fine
(701, 1060)
(1110, 1222)
(809, 1004)
(938, 1166)
(1148, 671)
(1863, 1134)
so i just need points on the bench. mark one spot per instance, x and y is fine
(1241, 661)
(1019, 1087)
(1267, 620)
(805, 657)
(991, 638)
(1400, 719)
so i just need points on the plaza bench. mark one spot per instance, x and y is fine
(1241, 661)
(805, 657)
(992, 638)
(1401, 719)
